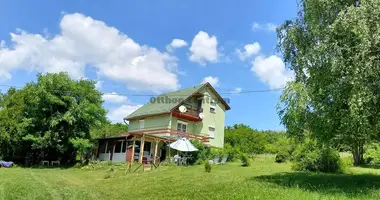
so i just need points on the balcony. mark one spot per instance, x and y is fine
(190, 114)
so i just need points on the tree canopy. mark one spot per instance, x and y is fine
(252, 141)
(48, 119)
(333, 48)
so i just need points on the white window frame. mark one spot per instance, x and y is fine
(183, 123)
(142, 124)
(212, 106)
(213, 135)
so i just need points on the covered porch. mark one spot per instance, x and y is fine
(149, 146)
(133, 148)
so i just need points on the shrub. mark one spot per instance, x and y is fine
(207, 167)
(201, 155)
(347, 161)
(78, 165)
(245, 162)
(281, 157)
(372, 153)
(310, 157)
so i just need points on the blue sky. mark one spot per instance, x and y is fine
(128, 47)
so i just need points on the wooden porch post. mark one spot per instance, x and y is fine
(141, 149)
(133, 149)
(155, 151)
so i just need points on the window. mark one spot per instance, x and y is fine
(147, 146)
(182, 127)
(199, 105)
(212, 106)
(211, 131)
(102, 147)
(118, 147)
(142, 124)
(109, 147)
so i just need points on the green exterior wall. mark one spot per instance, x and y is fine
(161, 121)
(215, 120)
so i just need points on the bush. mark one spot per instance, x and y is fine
(347, 161)
(372, 154)
(281, 157)
(78, 165)
(232, 152)
(207, 167)
(245, 162)
(310, 157)
(203, 153)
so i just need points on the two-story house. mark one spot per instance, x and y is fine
(197, 113)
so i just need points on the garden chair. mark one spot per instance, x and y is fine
(224, 160)
(184, 161)
(216, 160)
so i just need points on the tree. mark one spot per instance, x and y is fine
(47, 115)
(81, 145)
(333, 48)
(250, 140)
(107, 129)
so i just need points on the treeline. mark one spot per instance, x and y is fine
(54, 118)
(252, 141)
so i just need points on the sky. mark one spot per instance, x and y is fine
(141, 48)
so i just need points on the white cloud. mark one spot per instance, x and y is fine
(214, 81)
(85, 42)
(118, 114)
(98, 85)
(236, 90)
(255, 26)
(267, 27)
(175, 44)
(271, 27)
(204, 48)
(114, 98)
(271, 70)
(249, 51)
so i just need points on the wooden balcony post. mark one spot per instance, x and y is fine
(155, 151)
(141, 149)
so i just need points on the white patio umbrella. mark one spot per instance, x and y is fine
(183, 144)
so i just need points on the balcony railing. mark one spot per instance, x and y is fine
(171, 134)
(190, 114)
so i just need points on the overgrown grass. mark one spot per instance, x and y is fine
(263, 179)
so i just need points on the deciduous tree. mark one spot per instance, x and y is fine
(333, 48)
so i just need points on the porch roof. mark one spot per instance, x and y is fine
(153, 136)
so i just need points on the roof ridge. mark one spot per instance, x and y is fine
(156, 106)
(182, 89)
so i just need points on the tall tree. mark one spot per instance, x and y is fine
(47, 115)
(333, 48)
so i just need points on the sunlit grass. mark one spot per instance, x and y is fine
(264, 179)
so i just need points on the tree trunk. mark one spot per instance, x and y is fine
(357, 152)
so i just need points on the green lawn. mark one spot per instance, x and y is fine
(264, 179)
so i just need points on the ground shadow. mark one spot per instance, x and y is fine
(347, 184)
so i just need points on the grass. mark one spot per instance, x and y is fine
(263, 179)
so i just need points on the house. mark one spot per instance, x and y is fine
(197, 113)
